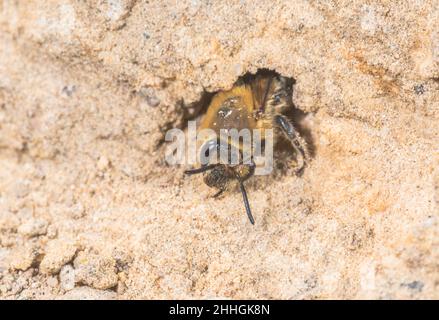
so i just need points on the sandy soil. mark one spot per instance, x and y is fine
(90, 209)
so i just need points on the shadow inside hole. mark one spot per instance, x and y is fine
(197, 108)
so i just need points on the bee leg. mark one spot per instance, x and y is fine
(297, 142)
(218, 179)
(202, 169)
(220, 192)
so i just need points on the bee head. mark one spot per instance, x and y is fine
(217, 151)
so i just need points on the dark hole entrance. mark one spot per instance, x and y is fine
(200, 107)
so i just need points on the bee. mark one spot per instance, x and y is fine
(255, 102)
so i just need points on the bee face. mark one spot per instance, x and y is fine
(256, 104)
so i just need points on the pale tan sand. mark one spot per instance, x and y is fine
(89, 208)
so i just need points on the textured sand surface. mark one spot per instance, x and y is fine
(90, 209)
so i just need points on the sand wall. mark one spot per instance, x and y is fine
(90, 209)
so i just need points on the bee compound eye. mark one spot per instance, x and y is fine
(277, 97)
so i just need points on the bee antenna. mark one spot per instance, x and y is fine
(247, 205)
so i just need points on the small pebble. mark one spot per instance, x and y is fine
(52, 282)
(23, 258)
(77, 211)
(58, 253)
(103, 163)
(52, 232)
(33, 228)
(67, 277)
(150, 97)
(95, 270)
